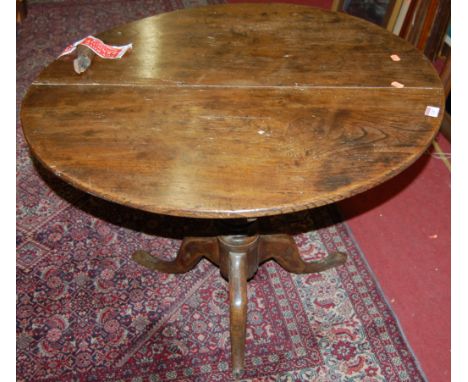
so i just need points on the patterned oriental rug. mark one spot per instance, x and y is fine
(86, 312)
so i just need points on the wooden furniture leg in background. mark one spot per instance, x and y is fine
(21, 10)
(238, 257)
(446, 78)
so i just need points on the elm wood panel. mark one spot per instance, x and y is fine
(253, 44)
(217, 152)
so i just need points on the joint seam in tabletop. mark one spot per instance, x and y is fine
(227, 86)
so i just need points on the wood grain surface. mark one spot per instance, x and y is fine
(236, 111)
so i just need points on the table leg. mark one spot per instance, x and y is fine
(238, 309)
(238, 257)
(190, 253)
(283, 249)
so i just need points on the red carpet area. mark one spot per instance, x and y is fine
(403, 227)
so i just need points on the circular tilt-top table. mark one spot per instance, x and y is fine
(234, 112)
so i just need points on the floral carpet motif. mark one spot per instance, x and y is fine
(87, 312)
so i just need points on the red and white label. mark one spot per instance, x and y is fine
(97, 46)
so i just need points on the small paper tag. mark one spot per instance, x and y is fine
(432, 111)
(99, 47)
(398, 85)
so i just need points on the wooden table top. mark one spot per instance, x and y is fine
(236, 111)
